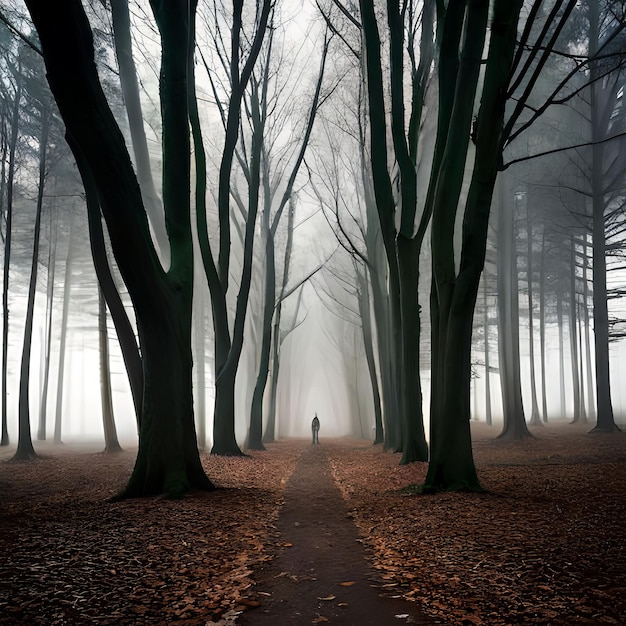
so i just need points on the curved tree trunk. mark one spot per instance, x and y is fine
(168, 460)
(123, 328)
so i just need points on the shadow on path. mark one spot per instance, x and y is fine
(321, 576)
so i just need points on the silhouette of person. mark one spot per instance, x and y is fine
(315, 427)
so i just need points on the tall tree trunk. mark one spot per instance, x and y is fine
(111, 443)
(591, 413)
(25, 450)
(123, 327)
(561, 325)
(224, 442)
(47, 340)
(270, 427)
(542, 326)
(605, 418)
(168, 460)
(489, 416)
(573, 332)
(514, 423)
(15, 119)
(366, 328)
(130, 89)
(414, 446)
(581, 349)
(200, 367)
(67, 285)
(535, 418)
(255, 439)
(451, 465)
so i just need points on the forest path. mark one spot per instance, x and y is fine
(306, 583)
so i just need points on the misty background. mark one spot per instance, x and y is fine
(537, 286)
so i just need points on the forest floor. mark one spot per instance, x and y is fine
(543, 545)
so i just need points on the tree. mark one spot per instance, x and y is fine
(168, 459)
(228, 347)
(12, 146)
(402, 247)
(606, 170)
(271, 181)
(454, 292)
(25, 450)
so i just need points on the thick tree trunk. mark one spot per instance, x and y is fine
(605, 418)
(168, 460)
(514, 424)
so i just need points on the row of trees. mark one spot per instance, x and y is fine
(388, 174)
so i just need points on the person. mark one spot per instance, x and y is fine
(315, 427)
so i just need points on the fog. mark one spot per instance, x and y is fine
(567, 167)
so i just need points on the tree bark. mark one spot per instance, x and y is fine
(514, 424)
(168, 460)
(15, 119)
(130, 89)
(573, 332)
(67, 286)
(535, 418)
(111, 442)
(25, 450)
(605, 417)
(489, 417)
(47, 341)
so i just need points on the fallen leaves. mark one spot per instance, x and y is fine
(539, 548)
(69, 556)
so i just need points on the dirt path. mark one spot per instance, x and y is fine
(320, 575)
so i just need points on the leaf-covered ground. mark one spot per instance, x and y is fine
(544, 545)
(67, 556)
